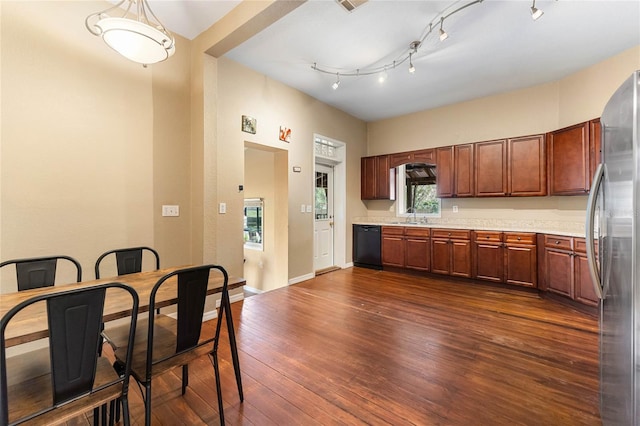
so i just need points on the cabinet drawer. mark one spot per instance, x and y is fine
(416, 232)
(559, 242)
(454, 234)
(488, 236)
(393, 230)
(580, 246)
(519, 238)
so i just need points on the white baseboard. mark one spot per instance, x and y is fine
(209, 315)
(253, 290)
(301, 278)
(348, 265)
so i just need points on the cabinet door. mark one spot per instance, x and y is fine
(461, 258)
(526, 166)
(367, 178)
(385, 179)
(559, 268)
(488, 261)
(463, 170)
(424, 156)
(584, 291)
(417, 253)
(568, 160)
(444, 167)
(521, 265)
(393, 248)
(490, 168)
(440, 256)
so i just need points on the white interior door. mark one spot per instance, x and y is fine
(323, 227)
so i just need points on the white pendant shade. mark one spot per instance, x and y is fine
(135, 40)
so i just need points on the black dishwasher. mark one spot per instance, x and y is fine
(367, 246)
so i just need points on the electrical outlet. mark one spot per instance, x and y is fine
(455, 209)
(170, 210)
(222, 209)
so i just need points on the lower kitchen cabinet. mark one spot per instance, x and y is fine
(567, 270)
(417, 249)
(406, 247)
(505, 257)
(451, 252)
(393, 246)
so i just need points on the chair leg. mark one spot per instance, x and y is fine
(147, 404)
(103, 414)
(185, 378)
(112, 409)
(96, 416)
(125, 410)
(214, 358)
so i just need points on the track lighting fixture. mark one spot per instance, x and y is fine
(535, 12)
(443, 33)
(335, 85)
(406, 55)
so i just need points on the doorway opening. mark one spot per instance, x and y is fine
(329, 205)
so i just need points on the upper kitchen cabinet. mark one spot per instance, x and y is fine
(526, 166)
(377, 178)
(455, 171)
(422, 156)
(511, 167)
(572, 155)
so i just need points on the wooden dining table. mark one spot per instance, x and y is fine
(29, 325)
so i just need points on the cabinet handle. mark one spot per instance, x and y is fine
(487, 237)
(449, 234)
(557, 242)
(518, 238)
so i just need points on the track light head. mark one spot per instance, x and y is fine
(335, 85)
(535, 12)
(443, 33)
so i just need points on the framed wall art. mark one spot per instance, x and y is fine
(249, 124)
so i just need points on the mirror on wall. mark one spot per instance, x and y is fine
(417, 194)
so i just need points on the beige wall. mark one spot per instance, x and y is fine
(576, 98)
(92, 145)
(242, 91)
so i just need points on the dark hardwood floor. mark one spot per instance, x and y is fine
(358, 346)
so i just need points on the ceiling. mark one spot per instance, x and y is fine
(494, 46)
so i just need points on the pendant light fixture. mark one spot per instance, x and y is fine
(141, 38)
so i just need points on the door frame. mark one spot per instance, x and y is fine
(339, 164)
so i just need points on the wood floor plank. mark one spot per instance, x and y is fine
(358, 346)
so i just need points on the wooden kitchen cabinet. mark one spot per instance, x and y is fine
(377, 178)
(454, 165)
(595, 146)
(417, 249)
(569, 158)
(511, 167)
(505, 257)
(426, 156)
(393, 246)
(558, 259)
(451, 252)
(584, 291)
(526, 166)
(406, 247)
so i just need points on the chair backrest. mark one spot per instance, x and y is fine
(37, 272)
(128, 260)
(192, 292)
(74, 318)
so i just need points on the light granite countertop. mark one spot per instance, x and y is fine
(570, 229)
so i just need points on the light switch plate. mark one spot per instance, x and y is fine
(302, 208)
(309, 210)
(222, 209)
(170, 210)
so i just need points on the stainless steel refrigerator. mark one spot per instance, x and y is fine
(613, 214)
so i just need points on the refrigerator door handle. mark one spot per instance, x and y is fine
(591, 209)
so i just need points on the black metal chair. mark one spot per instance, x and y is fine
(67, 378)
(163, 343)
(36, 272)
(128, 260)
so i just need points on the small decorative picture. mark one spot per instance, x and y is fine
(248, 124)
(285, 134)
